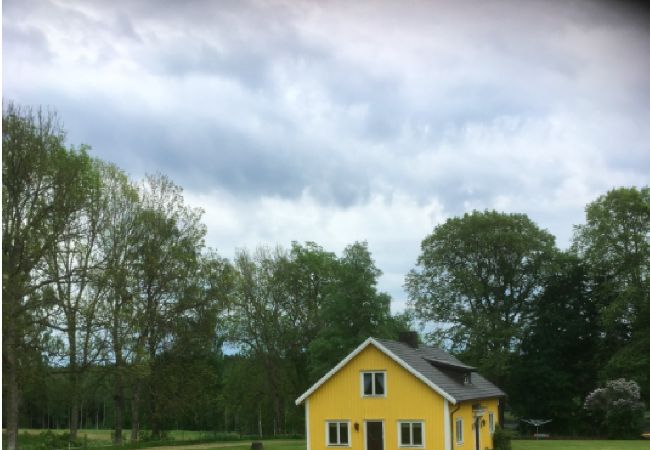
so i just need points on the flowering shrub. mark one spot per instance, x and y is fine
(617, 408)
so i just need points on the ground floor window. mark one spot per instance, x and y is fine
(338, 433)
(459, 431)
(491, 421)
(411, 434)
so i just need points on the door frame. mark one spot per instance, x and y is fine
(365, 433)
(477, 432)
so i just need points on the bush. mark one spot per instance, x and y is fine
(617, 408)
(50, 441)
(501, 439)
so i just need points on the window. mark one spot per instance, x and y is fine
(491, 422)
(373, 384)
(411, 434)
(338, 434)
(459, 431)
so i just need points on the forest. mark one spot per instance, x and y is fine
(117, 316)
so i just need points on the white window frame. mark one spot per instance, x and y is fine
(338, 433)
(373, 372)
(410, 423)
(459, 426)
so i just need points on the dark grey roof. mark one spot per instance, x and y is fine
(417, 358)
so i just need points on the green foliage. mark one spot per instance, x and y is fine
(114, 278)
(43, 185)
(501, 439)
(556, 367)
(617, 409)
(615, 245)
(481, 273)
(353, 310)
(51, 441)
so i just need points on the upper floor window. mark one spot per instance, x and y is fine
(411, 434)
(373, 383)
(338, 434)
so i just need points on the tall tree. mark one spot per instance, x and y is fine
(168, 244)
(259, 322)
(116, 282)
(615, 244)
(557, 363)
(309, 274)
(73, 264)
(479, 275)
(42, 186)
(187, 374)
(353, 310)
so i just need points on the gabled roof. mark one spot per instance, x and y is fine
(417, 358)
(421, 362)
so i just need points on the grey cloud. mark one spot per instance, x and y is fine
(496, 63)
(25, 40)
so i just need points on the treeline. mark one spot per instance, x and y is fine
(115, 314)
(548, 326)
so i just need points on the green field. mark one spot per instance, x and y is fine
(32, 438)
(96, 438)
(580, 445)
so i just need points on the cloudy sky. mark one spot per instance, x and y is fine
(337, 121)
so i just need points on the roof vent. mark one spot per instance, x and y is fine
(409, 338)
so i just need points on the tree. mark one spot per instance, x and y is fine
(73, 264)
(479, 276)
(259, 322)
(353, 310)
(116, 282)
(187, 374)
(556, 364)
(617, 408)
(42, 186)
(615, 244)
(167, 244)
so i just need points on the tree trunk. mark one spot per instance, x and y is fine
(135, 412)
(13, 405)
(74, 403)
(13, 390)
(119, 412)
(118, 395)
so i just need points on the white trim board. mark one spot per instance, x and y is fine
(388, 353)
(447, 426)
(307, 424)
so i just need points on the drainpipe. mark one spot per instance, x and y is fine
(451, 425)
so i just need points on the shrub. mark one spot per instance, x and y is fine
(50, 441)
(617, 408)
(501, 439)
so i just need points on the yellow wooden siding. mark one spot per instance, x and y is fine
(465, 412)
(407, 398)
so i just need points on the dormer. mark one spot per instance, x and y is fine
(460, 372)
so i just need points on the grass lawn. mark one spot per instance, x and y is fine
(580, 445)
(31, 438)
(102, 437)
(268, 445)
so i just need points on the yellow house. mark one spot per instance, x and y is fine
(389, 395)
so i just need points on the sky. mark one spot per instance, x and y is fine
(344, 121)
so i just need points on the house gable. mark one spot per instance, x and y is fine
(406, 399)
(388, 354)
